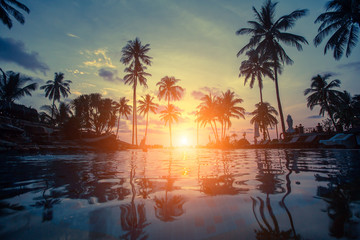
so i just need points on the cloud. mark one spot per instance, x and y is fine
(214, 90)
(315, 117)
(72, 35)
(352, 65)
(15, 51)
(98, 58)
(109, 75)
(197, 95)
(76, 71)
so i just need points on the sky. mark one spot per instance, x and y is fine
(192, 40)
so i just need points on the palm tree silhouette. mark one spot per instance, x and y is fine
(56, 88)
(12, 87)
(255, 67)
(263, 115)
(346, 110)
(124, 110)
(168, 90)
(169, 115)
(342, 18)
(266, 36)
(208, 113)
(61, 114)
(7, 9)
(147, 105)
(228, 108)
(134, 53)
(323, 94)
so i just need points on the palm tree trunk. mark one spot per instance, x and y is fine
(52, 109)
(213, 130)
(135, 110)
(261, 98)
(197, 133)
(170, 135)
(133, 121)
(330, 115)
(216, 131)
(147, 121)
(278, 100)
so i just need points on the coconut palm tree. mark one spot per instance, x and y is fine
(133, 77)
(229, 109)
(267, 34)
(255, 67)
(56, 88)
(124, 110)
(342, 18)
(135, 55)
(8, 7)
(147, 105)
(208, 113)
(169, 115)
(169, 90)
(12, 87)
(323, 94)
(263, 115)
(345, 110)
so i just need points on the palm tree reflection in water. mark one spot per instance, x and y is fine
(270, 184)
(133, 217)
(169, 207)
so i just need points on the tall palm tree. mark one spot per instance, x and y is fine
(12, 87)
(147, 105)
(169, 115)
(255, 67)
(135, 55)
(229, 109)
(346, 110)
(8, 7)
(323, 94)
(56, 88)
(169, 90)
(124, 110)
(266, 36)
(263, 115)
(208, 113)
(342, 18)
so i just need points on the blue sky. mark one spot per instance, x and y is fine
(192, 40)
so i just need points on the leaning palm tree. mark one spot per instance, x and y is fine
(12, 87)
(230, 109)
(56, 88)
(124, 110)
(263, 115)
(8, 7)
(169, 115)
(147, 105)
(342, 18)
(135, 55)
(133, 77)
(169, 90)
(255, 67)
(266, 36)
(323, 94)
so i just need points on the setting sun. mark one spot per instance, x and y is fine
(184, 141)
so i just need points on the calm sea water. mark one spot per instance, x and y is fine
(182, 194)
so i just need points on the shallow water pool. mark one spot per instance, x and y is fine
(182, 194)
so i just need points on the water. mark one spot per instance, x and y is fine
(182, 194)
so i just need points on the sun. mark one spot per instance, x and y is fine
(184, 141)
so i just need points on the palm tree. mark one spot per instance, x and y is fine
(147, 105)
(266, 36)
(169, 115)
(342, 18)
(228, 107)
(134, 53)
(345, 110)
(56, 88)
(168, 89)
(256, 66)
(12, 87)
(263, 115)
(208, 113)
(323, 94)
(7, 9)
(124, 110)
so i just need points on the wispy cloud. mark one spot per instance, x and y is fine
(72, 35)
(97, 58)
(15, 51)
(109, 75)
